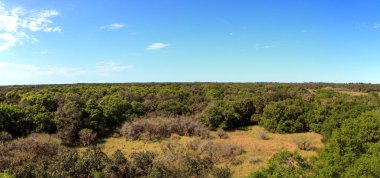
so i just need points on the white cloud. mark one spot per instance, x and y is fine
(376, 26)
(10, 69)
(18, 24)
(157, 46)
(7, 41)
(110, 67)
(113, 26)
(19, 73)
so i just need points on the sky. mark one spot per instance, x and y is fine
(117, 41)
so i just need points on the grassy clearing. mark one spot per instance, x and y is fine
(347, 91)
(256, 147)
(258, 150)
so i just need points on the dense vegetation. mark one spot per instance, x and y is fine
(39, 125)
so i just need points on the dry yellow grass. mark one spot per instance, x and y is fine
(264, 149)
(247, 138)
(347, 91)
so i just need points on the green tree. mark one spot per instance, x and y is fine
(93, 115)
(173, 108)
(285, 165)
(288, 116)
(118, 166)
(115, 109)
(348, 144)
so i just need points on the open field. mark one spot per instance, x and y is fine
(248, 138)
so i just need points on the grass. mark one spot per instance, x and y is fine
(347, 91)
(247, 138)
(256, 147)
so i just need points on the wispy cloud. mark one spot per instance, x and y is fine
(157, 46)
(265, 46)
(34, 70)
(113, 26)
(107, 67)
(19, 24)
(7, 41)
(376, 26)
(268, 46)
(18, 72)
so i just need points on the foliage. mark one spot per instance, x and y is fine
(173, 108)
(87, 136)
(284, 164)
(348, 144)
(304, 143)
(288, 116)
(345, 114)
(221, 134)
(5, 137)
(228, 114)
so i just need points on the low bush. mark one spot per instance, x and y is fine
(142, 163)
(236, 162)
(284, 164)
(288, 116)
(222, 172)
(222, 134)
(87, 136)
(157, 128)
(220, 151)
(29, 149)
(255, 159)
(263, 135)
(5, 137)
(304, 143)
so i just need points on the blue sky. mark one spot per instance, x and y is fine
(71, 41)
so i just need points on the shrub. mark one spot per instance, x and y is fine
(118, 165)
(173, 108)
(255, 159)
(194, 144)
(196, 166)
(87, 136)
(177, 161)
(348, 143)
(227, 114)
(64, 164)
(284, 164)
(288, 116)
(304, 143)
(263, 135)
(222, 172)
(157, 128)
(142, 162)
(236, 162)
(93, 159)
(5, 137)
(221, 151)
(116, 110)
(29, 149)
(221, 134)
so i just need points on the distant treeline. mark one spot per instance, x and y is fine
(78, 114)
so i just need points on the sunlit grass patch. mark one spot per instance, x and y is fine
(257, 151)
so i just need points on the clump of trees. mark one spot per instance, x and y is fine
(350, 146)
(228, 114)
(284, 164)
(288, 116)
